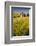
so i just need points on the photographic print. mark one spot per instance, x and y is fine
(20, 21)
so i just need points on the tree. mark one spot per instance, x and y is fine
(27, 14)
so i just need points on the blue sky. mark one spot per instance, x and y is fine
(20, 10)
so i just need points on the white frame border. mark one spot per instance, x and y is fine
(30, 29)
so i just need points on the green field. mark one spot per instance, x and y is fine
(20, 25)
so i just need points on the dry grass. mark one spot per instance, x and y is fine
(21, 26)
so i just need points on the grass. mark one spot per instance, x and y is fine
(20, 25)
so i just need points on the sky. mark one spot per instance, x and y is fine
(20, 10)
